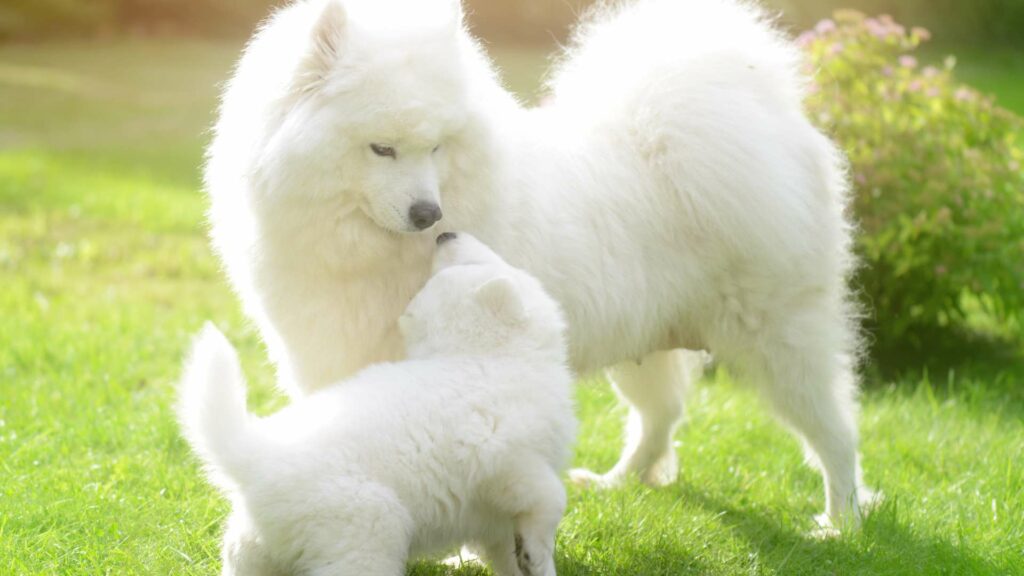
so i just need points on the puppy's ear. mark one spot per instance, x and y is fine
(327, 40)
(501, 297)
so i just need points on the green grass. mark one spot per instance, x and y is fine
(105, 274)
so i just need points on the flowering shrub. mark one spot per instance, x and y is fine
(937, 173)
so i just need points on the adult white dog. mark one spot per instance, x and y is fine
(463, 441)
(672, 194)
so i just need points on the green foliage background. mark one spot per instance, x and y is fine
(938, 176)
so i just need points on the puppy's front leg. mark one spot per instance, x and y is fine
(500, 553)
(536, 525)
(533, 496)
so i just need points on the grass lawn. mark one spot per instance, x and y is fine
(105, 274)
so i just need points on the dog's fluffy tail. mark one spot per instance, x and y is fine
(626, 55)
(212, 410)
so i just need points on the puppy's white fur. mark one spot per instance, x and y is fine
(464, 441)
(672, 194)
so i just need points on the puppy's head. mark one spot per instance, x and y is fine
(476, 303)
(353, 101)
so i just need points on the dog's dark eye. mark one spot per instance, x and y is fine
(382, 150)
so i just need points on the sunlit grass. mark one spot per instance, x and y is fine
(105, 274)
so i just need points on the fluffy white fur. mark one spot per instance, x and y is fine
(672, 194)
(464, 441)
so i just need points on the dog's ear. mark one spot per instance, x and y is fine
(501, 297)
(458, 13)
(410, 328)
(326, 43)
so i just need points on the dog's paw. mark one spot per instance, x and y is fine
(869, 500)
(663, 472)
(586, 479)
(825, 530)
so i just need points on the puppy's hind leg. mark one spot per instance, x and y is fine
(655, 389)
(244, 552)
(358, 558)
(368, 533)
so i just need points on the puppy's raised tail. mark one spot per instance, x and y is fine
(212, 410)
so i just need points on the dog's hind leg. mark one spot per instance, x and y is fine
(809, 380)
(655, 389)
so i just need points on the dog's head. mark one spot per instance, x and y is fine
(476, 303)
(357, 100)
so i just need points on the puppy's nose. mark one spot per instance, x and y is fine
(424, 214)
(444, 237)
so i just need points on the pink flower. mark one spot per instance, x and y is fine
(825, 26)
(921, 33)
(887, 71)
(876, 29)
(930, 72)
(908, 61)
(963, 94)
(933, 92)
(915, 86)
(835, 49)
(805, 38)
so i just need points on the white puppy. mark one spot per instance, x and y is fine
(672, 194)
(462, 442)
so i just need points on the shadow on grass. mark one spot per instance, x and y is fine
(885, 545)
(565, 565)
(943, 349)
(596, 557)
(436, 568)
(952, 360)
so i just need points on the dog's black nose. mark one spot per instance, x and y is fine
(444, 237)
(424, 214)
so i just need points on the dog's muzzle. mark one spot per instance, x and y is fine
(424, 214)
